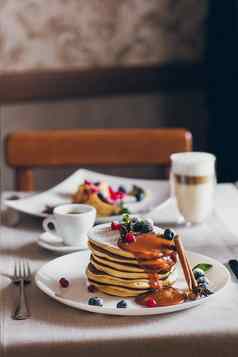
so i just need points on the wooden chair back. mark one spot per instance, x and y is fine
(82, 147)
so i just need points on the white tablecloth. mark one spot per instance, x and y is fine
(54, 329)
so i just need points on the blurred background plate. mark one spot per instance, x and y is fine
(157, 192)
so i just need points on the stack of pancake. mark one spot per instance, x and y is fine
(117, 272)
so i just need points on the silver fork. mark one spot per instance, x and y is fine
(22, 276)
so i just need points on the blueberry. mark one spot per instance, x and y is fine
(203, 281)
(137, 226)
(122, 189)
(122, 304)
(95, 301)
(198, 273)
(147, 226)
(139, 196)
(168, 234)
(138, 193)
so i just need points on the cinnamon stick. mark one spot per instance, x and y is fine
(194, 281)
(187, 270)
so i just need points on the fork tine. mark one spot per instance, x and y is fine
(23, 271)
(15, 270)
(28, 269)
(20, 269)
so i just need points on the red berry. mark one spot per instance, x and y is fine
(64, 282)
(94, 190)
(92, 288)
(115, 226)
(151, 302)
(130, 237)
(115, 195)
(87, 182)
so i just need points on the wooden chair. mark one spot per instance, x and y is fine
(121, 147)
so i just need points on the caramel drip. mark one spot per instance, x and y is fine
(154, 254)
(163, 297)
(149, 246)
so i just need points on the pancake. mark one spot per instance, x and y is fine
(100, 277)
(103, 237)
(124, 274)
(117, 290)
(102, 253)
(118, 272)
(119, 266)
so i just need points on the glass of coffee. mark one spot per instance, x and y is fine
(193, 180)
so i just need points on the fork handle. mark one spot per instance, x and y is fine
(22, 311)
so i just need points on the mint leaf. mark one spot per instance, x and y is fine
(125, 217)
(203, 266)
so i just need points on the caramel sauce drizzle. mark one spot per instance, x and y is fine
(156, 255)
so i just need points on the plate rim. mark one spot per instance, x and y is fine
(125, 312)
(10, 203)
(60, 249)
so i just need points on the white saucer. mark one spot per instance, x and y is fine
(55, 244)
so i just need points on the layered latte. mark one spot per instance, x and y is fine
(194, 180)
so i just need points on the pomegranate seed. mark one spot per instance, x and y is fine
(130, 237)
(151, 302)
(92, 288)
(64, 282)
(115, 226)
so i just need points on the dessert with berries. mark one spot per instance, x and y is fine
(134, 258)
(131, 257)
(105, 199)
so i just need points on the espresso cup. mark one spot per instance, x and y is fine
(72, 223)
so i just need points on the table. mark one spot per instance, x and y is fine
(54, 329)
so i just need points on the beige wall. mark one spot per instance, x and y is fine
(65, 33)
(77, 33)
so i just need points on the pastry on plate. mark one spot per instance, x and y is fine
(106, 200)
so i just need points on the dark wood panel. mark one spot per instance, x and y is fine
(76, 83)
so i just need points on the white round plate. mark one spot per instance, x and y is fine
(55, 244)
(72, 267)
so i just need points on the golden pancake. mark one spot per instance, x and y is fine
(102, 253)
(103, 237)
(124, 274)
(119, 266)
(118, 290)
(104, 278)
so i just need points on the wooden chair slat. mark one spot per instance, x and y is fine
(119, 147)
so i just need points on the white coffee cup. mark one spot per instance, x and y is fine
(72, 223)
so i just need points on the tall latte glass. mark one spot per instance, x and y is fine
(193, 182)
